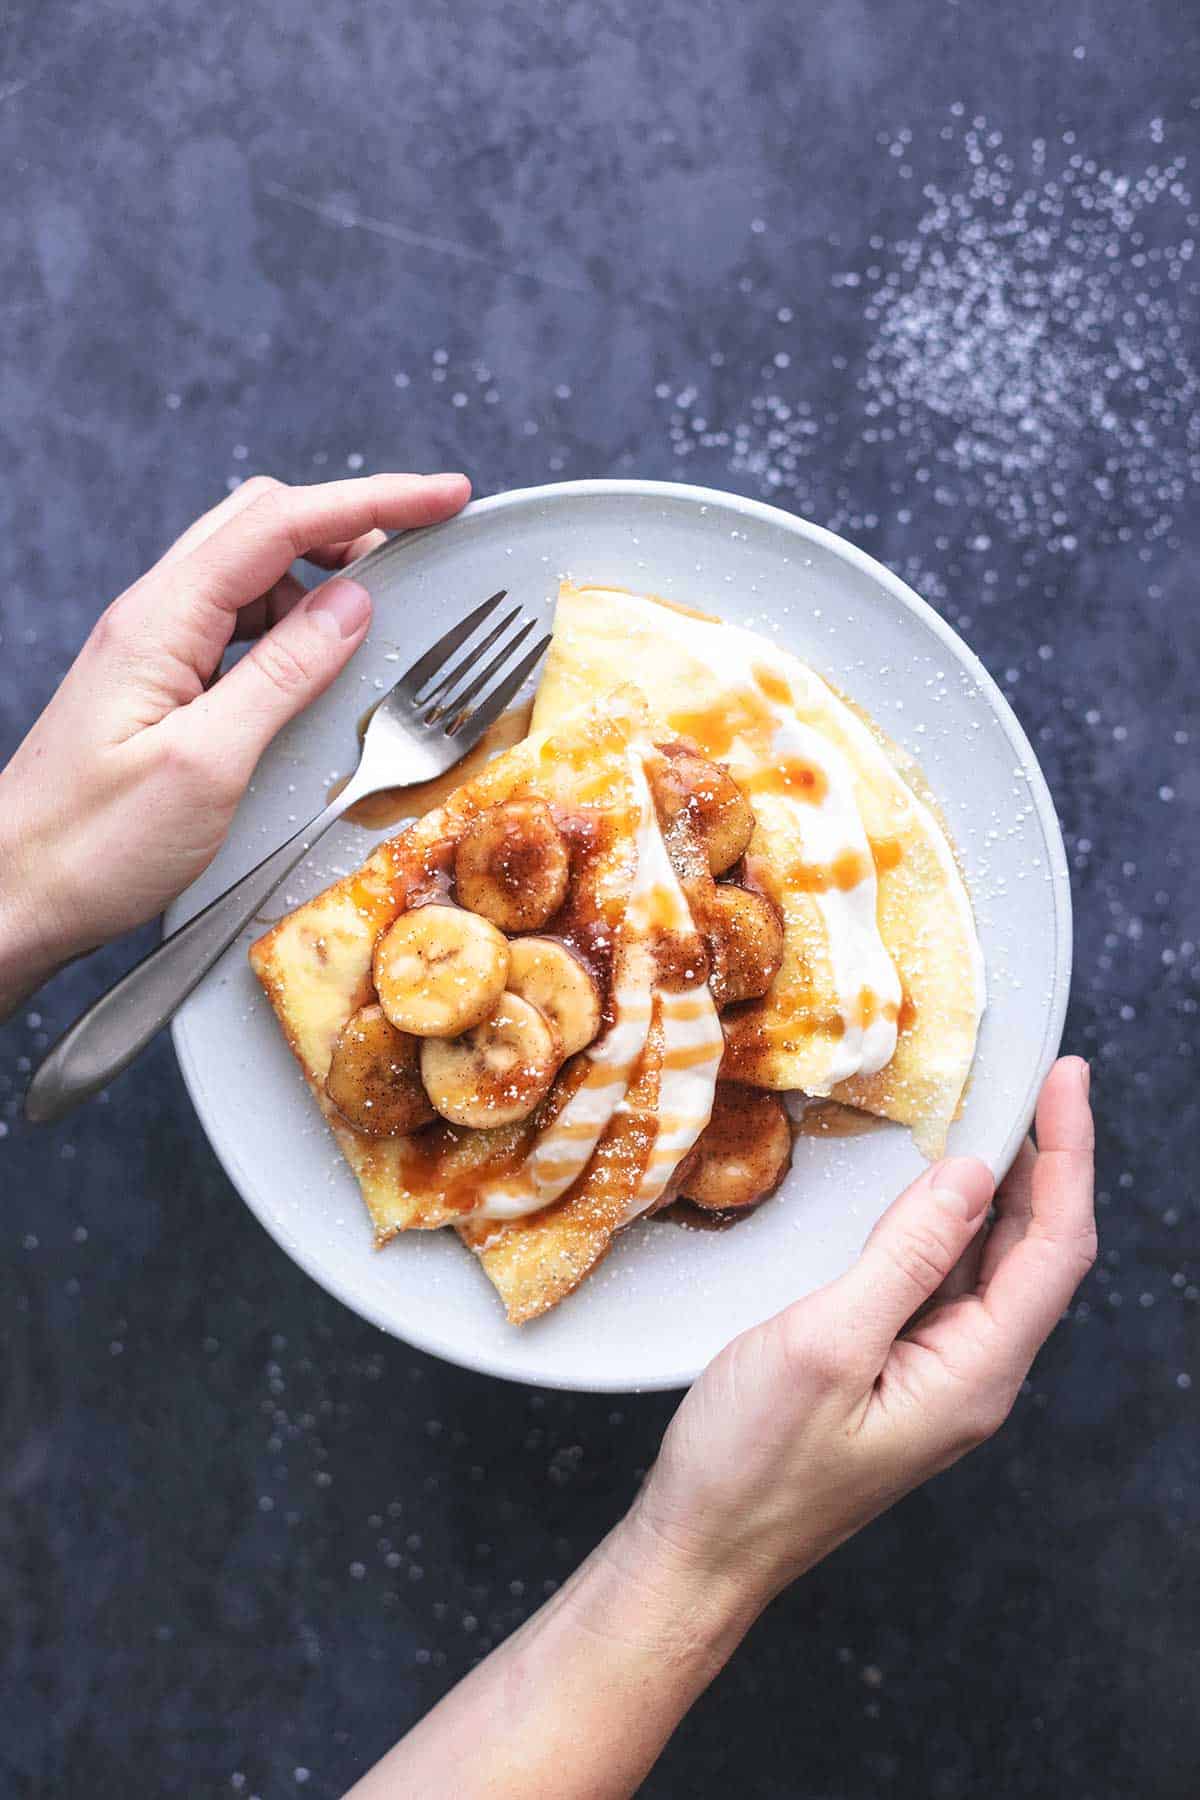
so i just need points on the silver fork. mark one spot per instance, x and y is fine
(420, 728)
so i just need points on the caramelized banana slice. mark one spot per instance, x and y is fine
(512, 865)
(743, 1152)
(439, 970)
(552, 978)
(680, 960)
(496, 1073)
(717, 810)
(745, 939)
(373, 1079)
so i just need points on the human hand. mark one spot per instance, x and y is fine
(807, 1427)
(125, 787)
(795, 1436)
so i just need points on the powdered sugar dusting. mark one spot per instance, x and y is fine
(1028, 332)
(1028, 356)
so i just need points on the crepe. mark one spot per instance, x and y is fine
(881, 990)
(535, 1262)
(538, 1200)
(683, 892)
(315, 964)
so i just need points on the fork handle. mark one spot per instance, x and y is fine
(121, 1023)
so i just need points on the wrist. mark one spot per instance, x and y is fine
(679, 1607)
(29, 949)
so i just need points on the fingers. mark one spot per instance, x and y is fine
(250, 550)
(908, 1255)
(1031, 1286)
(326, 556)
(202, 528)
(288, 592)
(281, 674)
(1014, 1209)
(960, 1282)
(340, 556)
(964, 1276)
(173, 625)
(269, 608)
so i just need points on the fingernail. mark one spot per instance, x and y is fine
(963, 1183)
(339, 608)
(1085, 1075)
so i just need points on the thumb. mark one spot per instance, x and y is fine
(912, 1250)
(286, 669)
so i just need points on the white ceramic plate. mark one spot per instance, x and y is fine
(666, 1299)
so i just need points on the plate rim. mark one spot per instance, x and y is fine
(634, 487)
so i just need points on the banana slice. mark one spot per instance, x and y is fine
(439, 970)
(714, 805)
(745, 940)
(373, 1079)
(743, 1153)
(552, 978)
(496, 1073)
(512, 865)
(680, 959)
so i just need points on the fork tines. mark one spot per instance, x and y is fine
(442, 699)
(490, 709)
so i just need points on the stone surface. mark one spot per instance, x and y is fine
(922, 272)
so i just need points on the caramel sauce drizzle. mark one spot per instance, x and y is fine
(792, 778)
(688, 1008)
(829, 1118)
(886, 853)
(716, 728)
(629, 1144)
(776, 687)
(844, 872)
(796, 1017)
(744, 712)
(689, 1056)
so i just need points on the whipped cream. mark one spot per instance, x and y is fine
(825, 824)
(857, 956)
(827, 827)
(563, 1150)
(692, 1040)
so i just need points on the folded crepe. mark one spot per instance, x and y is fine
(316, 963)
(538, 1200)
(881, 990)
(535, 1261)
(876, 1002)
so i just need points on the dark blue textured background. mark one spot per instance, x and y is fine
(921, 271)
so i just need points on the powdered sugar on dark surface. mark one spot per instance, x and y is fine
(924, 274)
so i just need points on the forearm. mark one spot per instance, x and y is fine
(580, 1701)
(26, 956)
(34, 915)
